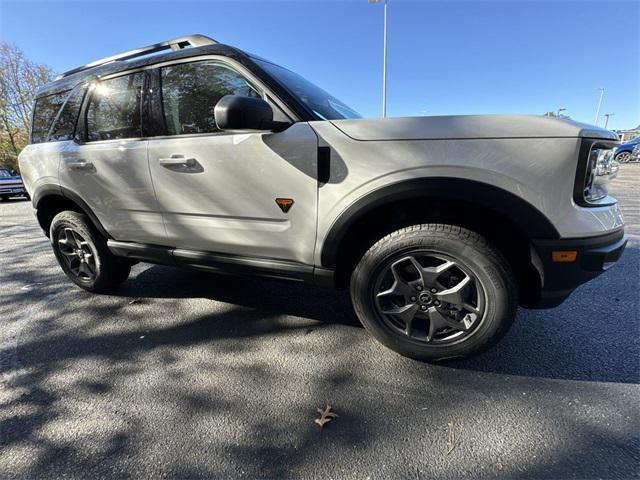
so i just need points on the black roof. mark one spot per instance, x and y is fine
(82, 75)
(68, 82)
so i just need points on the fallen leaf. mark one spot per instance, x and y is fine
(452, 440)
(326, 415)
(28, 286)
(135, 300)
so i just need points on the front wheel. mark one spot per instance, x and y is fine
(83, 254)
(623, 157)
(434, 291)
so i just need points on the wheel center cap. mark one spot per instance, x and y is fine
(425, 298)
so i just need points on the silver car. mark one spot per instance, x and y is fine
(205, 156)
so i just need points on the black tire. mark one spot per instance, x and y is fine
(3, 198)
(107, 270)
(469, 253)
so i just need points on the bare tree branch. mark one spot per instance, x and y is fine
(19, 79)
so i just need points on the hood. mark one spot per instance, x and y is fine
(468, 126)
(631, 143)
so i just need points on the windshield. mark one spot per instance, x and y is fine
(323, 105)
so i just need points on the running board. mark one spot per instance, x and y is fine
(222, 263)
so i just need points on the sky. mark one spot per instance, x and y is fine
(444, 57)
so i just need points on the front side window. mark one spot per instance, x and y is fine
(44, 113)
(190, 92)
(115, 108)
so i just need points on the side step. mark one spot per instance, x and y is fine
(222, 263)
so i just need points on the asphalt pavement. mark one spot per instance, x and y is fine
(185, 374)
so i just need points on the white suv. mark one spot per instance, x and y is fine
(209, 157)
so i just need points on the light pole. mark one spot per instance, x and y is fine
(560, 110)
(384, 60)
(599, 105)
(606, 118)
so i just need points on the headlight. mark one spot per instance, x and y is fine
(601, 169)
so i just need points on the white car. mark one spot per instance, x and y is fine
(213, 158)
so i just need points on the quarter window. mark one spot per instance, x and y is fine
(190, 92)
(44, 113)
(65, 125)
(115, 108)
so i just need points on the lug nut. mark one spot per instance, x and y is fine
(433, 290)
(413, 299)
(423, 307)
(436, 303)
(419, 288)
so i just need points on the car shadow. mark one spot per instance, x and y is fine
(272, 297)
(591, 337)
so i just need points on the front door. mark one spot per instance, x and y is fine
(247, 194)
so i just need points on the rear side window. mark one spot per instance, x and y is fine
(190, 92)
(115, 108)
(44, 113)
(65, 125)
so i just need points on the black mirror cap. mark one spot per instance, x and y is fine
(234, 112)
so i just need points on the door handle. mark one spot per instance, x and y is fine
(177, 160)
(80, 165)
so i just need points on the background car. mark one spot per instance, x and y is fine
(11, 184)
(623, 152)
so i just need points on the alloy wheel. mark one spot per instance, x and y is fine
(77, 254)
(623, 157)
(429, 297)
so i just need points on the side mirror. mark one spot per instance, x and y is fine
(233, 112)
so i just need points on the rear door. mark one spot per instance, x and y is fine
(109, 169)
(251, 194)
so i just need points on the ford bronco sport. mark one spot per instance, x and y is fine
(197, 154)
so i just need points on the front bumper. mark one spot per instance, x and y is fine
(12, 190)
(594, 256)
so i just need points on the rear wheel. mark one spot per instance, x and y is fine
(434, 291)
(83, 254)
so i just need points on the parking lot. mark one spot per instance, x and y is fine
(190, 374)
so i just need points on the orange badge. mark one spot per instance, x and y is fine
(284, 204)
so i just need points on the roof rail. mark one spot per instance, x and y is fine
(174, 44)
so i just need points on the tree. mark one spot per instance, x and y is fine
(19, 79)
